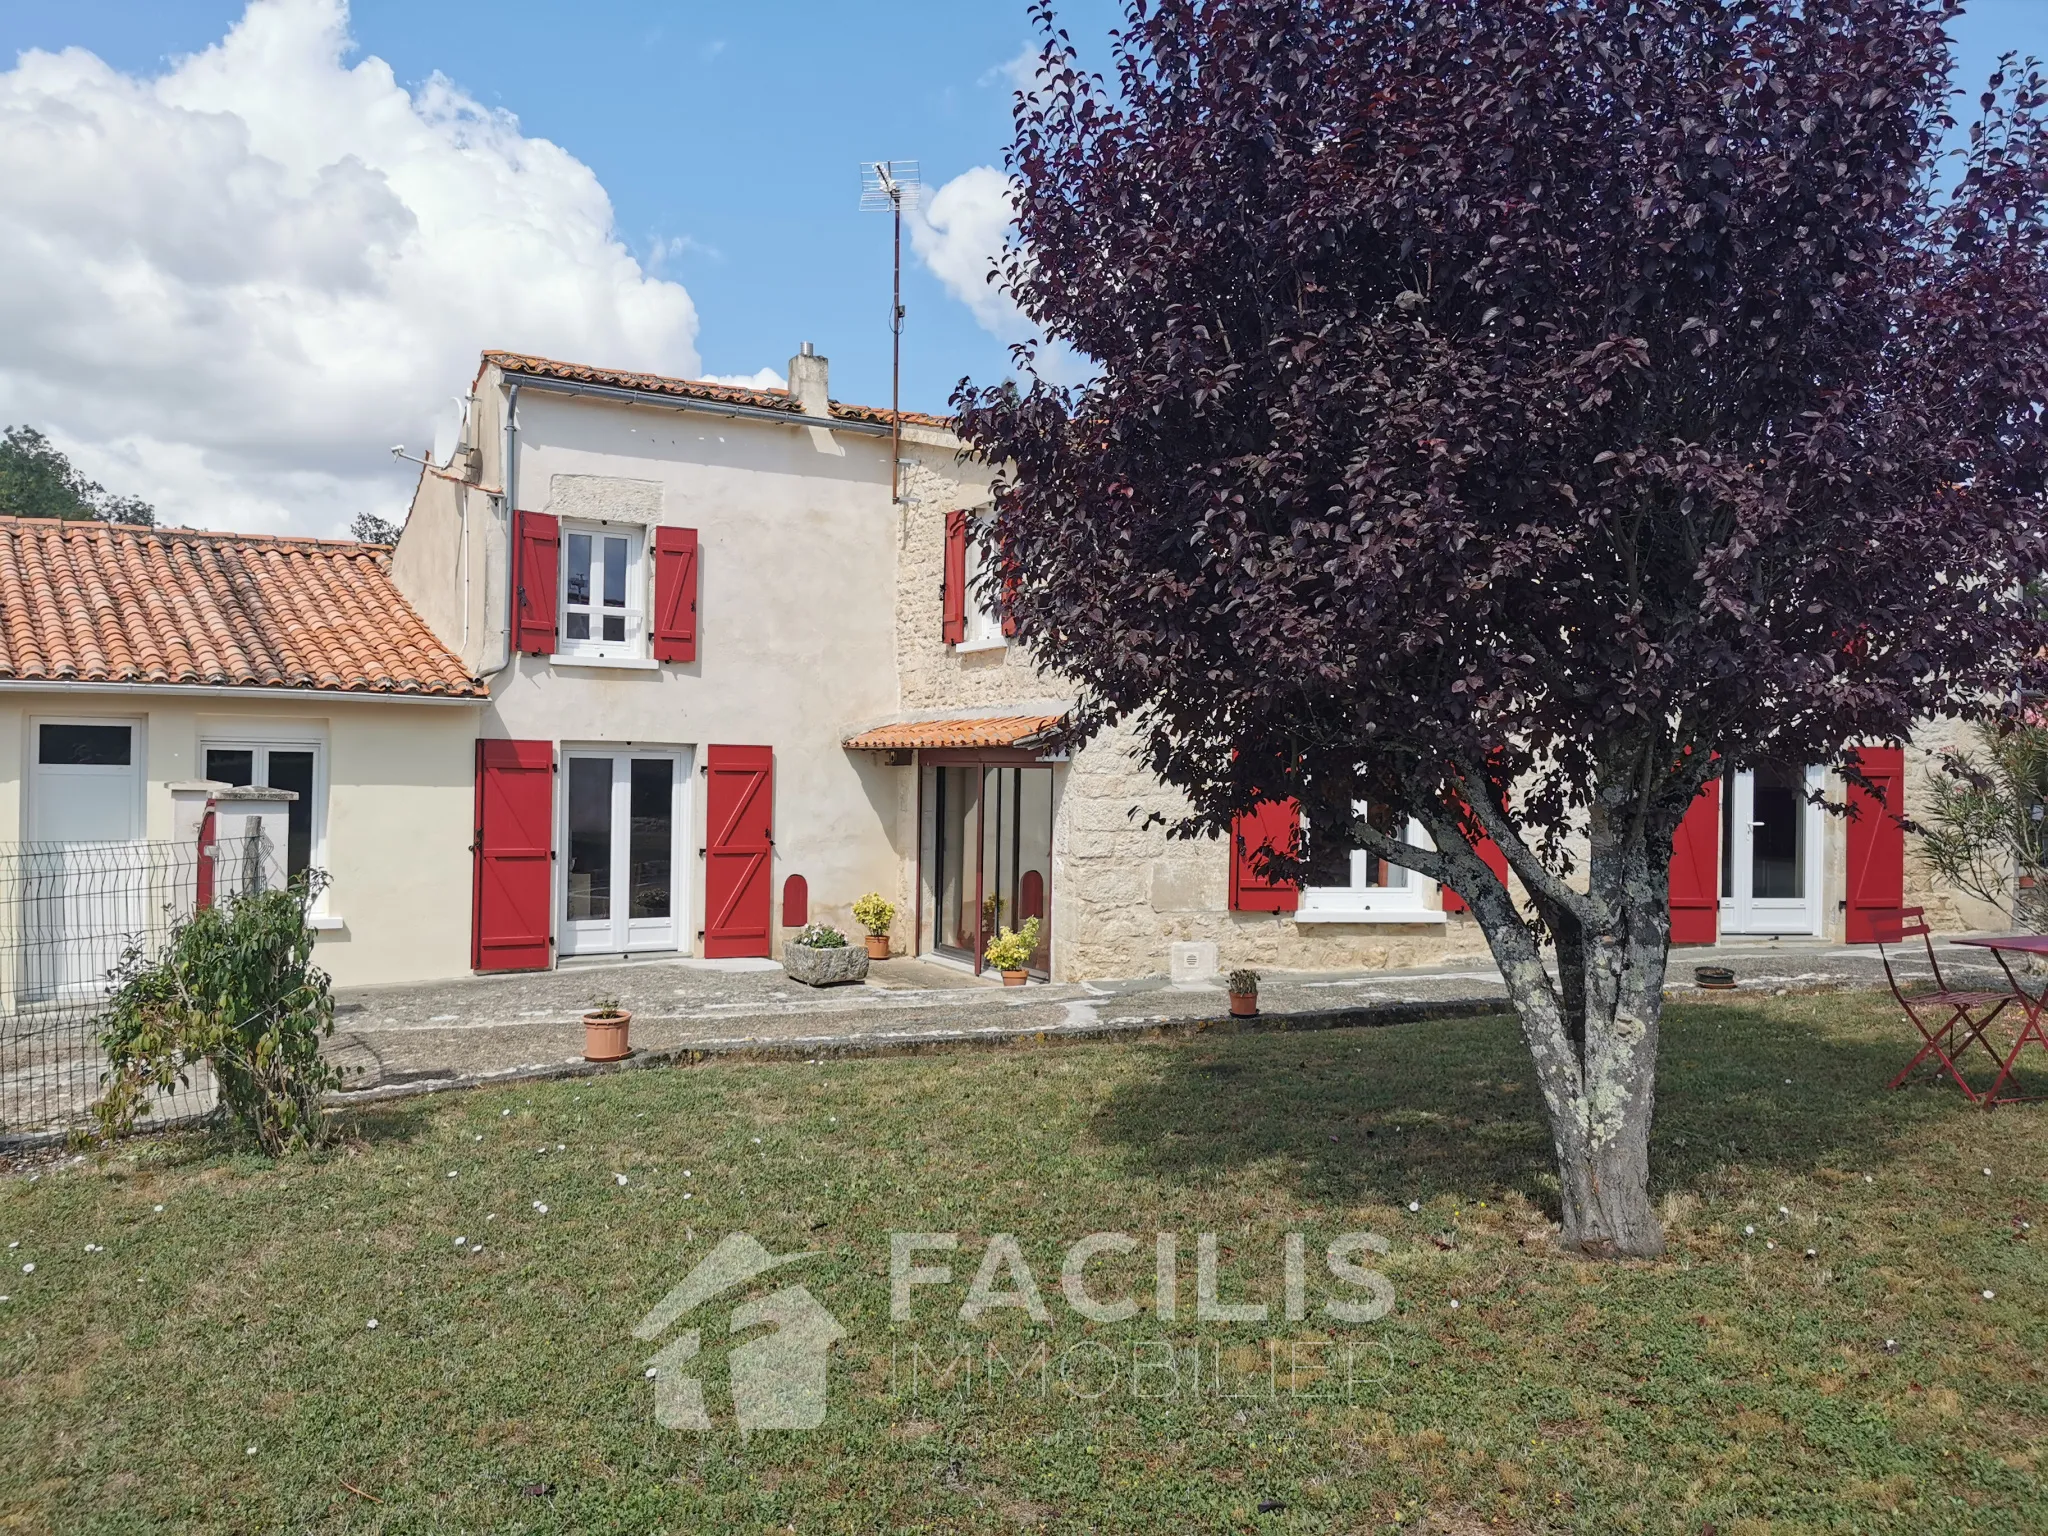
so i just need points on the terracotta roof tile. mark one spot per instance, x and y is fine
(997, 731)
(90, 603)
(698, 389)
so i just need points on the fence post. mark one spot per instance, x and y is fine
(204, 891)
(252, 858)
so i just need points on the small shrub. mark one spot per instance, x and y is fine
(1012, 949)
(820, 936)
(873, 913)
(234, 989)
(1243, 981)
(605, 1008)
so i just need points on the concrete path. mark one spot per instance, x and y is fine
(406, 1039)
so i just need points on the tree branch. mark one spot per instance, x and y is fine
(1535, 874)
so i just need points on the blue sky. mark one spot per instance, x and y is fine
(736, 129)
(264, 260)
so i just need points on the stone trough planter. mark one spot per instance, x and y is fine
(825, 967)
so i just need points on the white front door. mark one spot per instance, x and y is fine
(87, 870)
(623, 818)
(1771, 840)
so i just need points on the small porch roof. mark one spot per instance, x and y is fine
(957, 732)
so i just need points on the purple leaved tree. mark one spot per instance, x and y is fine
(1502, 408)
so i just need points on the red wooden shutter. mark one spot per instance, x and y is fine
(514, 889)
(675, 594)
(1696, 870)
(796, 902)
(1271, 825)
(953, 581)
(536, 575)
(1877, 846)
(739, 824)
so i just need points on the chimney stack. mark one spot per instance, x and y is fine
(808, 374)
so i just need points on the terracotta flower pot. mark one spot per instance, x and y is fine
(604, 1036)
(1244, 1005)
(1015, 978)
(878, 946)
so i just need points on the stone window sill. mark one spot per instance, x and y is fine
(617, 663)
(1410, 915)
(974, 647)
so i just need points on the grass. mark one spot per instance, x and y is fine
(210, 1366)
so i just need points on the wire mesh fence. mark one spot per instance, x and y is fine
(69, 914)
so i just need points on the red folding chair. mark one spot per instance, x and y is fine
(1940, 1013)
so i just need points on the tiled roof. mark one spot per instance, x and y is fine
(998, 731)
(91, 603)
(697, 389)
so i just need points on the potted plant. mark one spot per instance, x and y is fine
(875, 915)
(1244, 993)
(819, 956)
(1011, 950)
(604, 1031)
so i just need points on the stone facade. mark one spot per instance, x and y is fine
(1122, 890)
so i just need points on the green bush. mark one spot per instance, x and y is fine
(819, 936)
(1983, 831)
(874, 912)
(1012, 949)
(234, 989)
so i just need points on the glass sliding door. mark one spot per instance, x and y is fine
(622, 812)
(956, 886)
(992, 857)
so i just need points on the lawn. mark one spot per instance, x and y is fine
(1848, 1334)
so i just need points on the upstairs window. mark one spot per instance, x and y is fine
(984, 623)
(604, 586)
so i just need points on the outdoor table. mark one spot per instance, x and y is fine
(2031, 1004)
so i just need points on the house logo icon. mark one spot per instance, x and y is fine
(779, 1379)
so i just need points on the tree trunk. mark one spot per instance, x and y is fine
(1598, 1074)
(1603, 1142)
(1592, 1028)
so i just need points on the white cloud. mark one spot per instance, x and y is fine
(760, 378)
(959, 233)
(229, 287)
(1019, 72)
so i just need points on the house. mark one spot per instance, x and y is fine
(738, 675)
(144, 668)
(690, 603)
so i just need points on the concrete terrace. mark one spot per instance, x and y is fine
(417, 1038)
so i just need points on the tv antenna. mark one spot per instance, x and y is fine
(890, 186)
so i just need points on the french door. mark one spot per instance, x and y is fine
(1771, 842)
(623, 816)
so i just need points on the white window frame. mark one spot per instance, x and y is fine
(687, 834)
(1408, 902)
(138, 764)
(285, 739)
(984, 622)
(634, 648)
